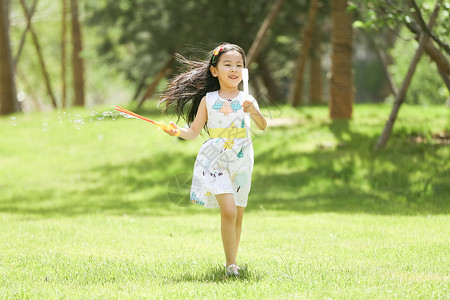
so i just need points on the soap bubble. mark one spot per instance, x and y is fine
(78, 123)
(13, 121)
(127, 115)
(45, 127)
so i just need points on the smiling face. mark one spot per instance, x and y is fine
(229, 69)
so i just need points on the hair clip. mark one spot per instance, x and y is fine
(216, 52)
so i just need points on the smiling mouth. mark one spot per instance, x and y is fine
(233, 77)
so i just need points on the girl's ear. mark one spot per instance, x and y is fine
(213, 71)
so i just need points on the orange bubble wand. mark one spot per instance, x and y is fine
(160, 124)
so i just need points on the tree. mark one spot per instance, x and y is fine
(402, 92)
(24, 34)
(8, 101)
(63, 54)
(315, 82)
(77, 60)
(152, 87)
(341, 82)
(148, 32)
(296, 93)
(381, 16)
(37, 45)
(262, 32)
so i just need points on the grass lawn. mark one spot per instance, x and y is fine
(94, 206)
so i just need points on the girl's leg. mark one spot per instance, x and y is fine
(228, 214)
(239, 217)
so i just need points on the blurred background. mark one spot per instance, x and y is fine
(62, 53)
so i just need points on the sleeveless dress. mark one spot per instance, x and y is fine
(224, 163)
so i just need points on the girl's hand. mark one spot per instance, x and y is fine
(174, 131)
(249, 107)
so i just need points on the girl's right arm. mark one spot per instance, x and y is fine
(196, 127)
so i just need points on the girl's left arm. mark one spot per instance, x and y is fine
(256, 115)
(259, 120)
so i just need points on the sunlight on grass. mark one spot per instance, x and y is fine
(86, 210)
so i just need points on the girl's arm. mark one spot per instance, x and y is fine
(256, 115)
(196, 127)
(259, 120)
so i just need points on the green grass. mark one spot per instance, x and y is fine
(85, 211)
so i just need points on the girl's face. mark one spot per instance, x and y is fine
(229, 69)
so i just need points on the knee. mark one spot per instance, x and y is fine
(229, 214)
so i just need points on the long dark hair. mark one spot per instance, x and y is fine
(185, 91)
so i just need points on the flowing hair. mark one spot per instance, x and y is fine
(185, 91)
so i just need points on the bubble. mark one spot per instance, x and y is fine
(78, 123)
(13, 121)
(21, 96)
(127, 115)
(45, 127)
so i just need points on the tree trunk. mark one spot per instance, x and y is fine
(262, 33)
(36, 103)
(315, 82)
(383, 57)
(296, 92)
(418, 16)
(165, 70)
(77, 61)
(64, 55)
(445, 78)
(269, 82)
(35, 39)
(24, 34)
(437, 56)
(341, 82)
(8, 100)
(402, 92)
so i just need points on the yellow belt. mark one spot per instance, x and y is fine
(229, 133)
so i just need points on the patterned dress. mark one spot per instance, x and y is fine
(224, 163)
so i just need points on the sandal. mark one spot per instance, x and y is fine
(233, 270)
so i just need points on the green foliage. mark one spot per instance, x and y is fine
(381, 18)
(427, 87)
(376, 14)
(152, 30)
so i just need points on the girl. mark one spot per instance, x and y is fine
(207, 95)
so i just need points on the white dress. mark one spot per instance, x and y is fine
(224, 163)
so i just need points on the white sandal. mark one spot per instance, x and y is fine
(233, 270)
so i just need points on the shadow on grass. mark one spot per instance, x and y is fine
(133, 188)
(217, 274)
(347, 177)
